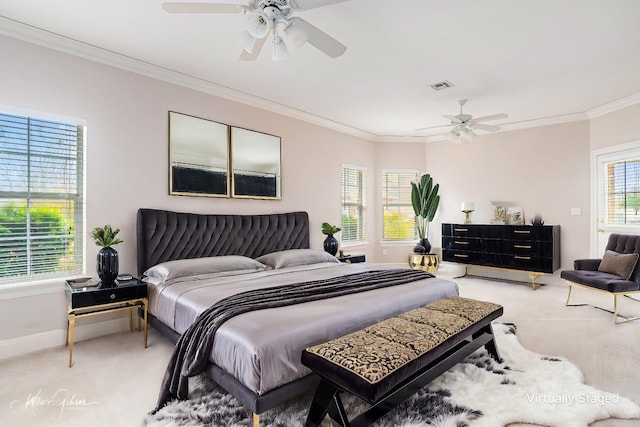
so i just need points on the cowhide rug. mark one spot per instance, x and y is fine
(526, 388)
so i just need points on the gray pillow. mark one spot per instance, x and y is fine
(619, 264)
(294, 257)
(189, 267)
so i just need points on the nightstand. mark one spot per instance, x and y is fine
(351, 259)
(88, 298)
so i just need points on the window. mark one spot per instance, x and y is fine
(399, 222)
(623, 192)
(353, 204)
(41, 199)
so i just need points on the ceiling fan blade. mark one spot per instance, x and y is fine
(431, 127)
(246, 55)
(319, 38)
(454, 119)
(174, 7)
(491, 117)
(312, 4)
(481, 126)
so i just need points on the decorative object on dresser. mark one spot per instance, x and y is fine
(467, 208)
(425, 200)
(616, 273)
(532, 249)
(515, 215)
(499, 215)
(330, 243)
(89, 297)
(537, 220)
(107, 259)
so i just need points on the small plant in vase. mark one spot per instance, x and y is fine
(330, 243)
(107, 259)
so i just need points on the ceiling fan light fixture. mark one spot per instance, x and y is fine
(258, 25)
(280, 51)
(246, 40)
(296, 38)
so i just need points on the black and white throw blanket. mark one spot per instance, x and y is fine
(479, 392)
(191, 353)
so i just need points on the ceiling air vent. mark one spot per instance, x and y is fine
(441, 85)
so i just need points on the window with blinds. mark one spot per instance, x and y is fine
(399, 222)
(41, 199)
(353, 204)
(623, 192)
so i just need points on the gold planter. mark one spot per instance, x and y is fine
(426, 262)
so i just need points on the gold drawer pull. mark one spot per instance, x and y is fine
(460, 229)
(112, 296)
(522, 257)
(522, 231)
(460, 243)
(461, 255)
(522, 246)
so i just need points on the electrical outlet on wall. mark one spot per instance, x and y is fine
(576, 211)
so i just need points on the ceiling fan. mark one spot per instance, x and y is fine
(264, 18)
(463, 124)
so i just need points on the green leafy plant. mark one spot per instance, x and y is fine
(425, 200)
(329, 229)
(106, 236)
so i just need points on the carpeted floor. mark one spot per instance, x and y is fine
(115, 381)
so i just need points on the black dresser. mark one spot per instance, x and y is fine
(531, 248)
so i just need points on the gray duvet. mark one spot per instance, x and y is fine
(262, 348)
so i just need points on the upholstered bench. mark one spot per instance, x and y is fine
(384, 364)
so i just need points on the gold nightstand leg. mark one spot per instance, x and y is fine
(70, 329)
(145, 302)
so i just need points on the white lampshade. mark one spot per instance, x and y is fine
(468, 206)
(246, 40)
(258, 25)
(296, 38)
(280, 51)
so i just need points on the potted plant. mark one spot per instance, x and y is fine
(330, 243)
(107, 259)
(425, 200)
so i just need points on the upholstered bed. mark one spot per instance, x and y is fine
(193, 261)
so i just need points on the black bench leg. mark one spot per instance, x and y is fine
(491, 347)
(323, 401)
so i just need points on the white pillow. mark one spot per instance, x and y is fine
(294, 257)
(189, 267)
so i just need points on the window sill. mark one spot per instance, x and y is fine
(399, 242)
(353, 244)
(21, 290)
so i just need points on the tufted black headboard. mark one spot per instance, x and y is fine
(165, 235)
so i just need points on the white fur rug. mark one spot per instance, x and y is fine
(526, 388)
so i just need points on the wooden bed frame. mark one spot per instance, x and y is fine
(166, 236)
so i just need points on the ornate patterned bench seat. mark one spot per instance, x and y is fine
(387, 362)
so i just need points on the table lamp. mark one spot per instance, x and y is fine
(467, 208)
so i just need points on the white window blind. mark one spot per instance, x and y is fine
(399, 222)
(41, 199)
(623, 192)
(353, 204)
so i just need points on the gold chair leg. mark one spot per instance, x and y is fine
(568, 296)
(256, 420)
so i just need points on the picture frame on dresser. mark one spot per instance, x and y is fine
(515, 215)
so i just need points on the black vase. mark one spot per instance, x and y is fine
(423, 246)
(107, 265)
(331, 244)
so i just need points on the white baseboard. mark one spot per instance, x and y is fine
(56, 338)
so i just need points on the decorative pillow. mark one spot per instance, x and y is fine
(619, 264)
(189, 267)
(294, 257)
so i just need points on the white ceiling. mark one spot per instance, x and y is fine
(531, 59)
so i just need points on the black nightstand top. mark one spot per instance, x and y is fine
(89, 293)
(352, 259)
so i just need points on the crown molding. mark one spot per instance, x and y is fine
(38, 36)
(616, 105)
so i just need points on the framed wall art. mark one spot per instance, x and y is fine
(255, 164)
